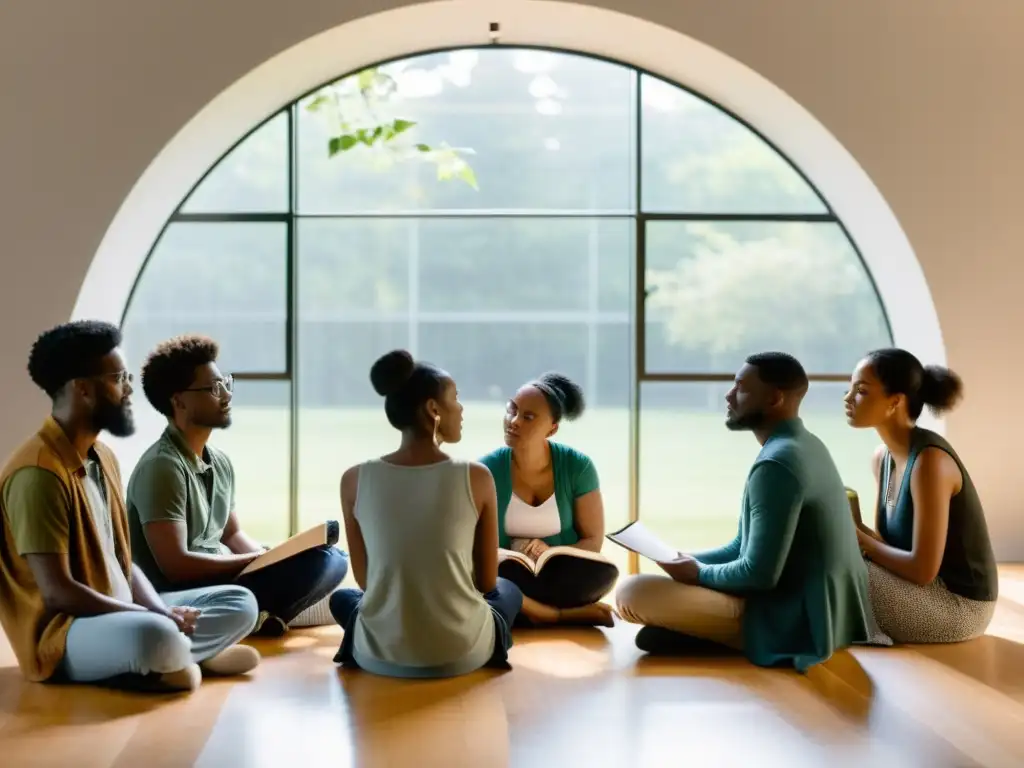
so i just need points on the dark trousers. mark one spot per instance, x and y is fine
(288, 588)
(505, 601)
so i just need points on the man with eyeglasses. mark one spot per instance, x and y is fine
(184, 527)
(72, 604)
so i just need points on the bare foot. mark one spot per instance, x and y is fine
(594, 615)
(538, 613)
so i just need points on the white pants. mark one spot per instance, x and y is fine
(131, 642)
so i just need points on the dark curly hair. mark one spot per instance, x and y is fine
(564, 396)
(171, 368)
(70, 351)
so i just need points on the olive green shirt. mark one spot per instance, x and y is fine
(36, 504)
(171, 483)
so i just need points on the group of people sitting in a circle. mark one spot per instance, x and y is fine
(150, 587)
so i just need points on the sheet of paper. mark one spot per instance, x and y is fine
(640, 540)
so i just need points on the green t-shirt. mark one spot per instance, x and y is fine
(171, 483)
(38, 509)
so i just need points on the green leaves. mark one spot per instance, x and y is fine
(451, 166)
(353, 105)
(368, 136)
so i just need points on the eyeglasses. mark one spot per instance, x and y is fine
(120, 377)
(219, 388)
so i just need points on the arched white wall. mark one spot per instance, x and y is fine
(838, 176)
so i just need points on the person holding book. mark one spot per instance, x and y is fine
(931, 567)
(423, 537)
(73, 606)
(184, 527)
(550, 506)
(791, 588)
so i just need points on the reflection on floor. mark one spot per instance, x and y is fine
(576, 697)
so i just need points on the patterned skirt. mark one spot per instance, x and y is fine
(905, 612)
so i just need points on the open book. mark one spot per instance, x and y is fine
(563, 577)
(639, 539)
(326, 533)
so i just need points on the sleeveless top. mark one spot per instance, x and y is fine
(968, 564)
(575, 476)
(526, 521)
(421, 614)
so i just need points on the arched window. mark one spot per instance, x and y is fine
(503, 212)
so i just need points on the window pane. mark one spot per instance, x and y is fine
(546, 131)
(354, 269)
(698, 159)
(693, 469)
(522, 266)
(353, 307)
(719, 291)
(225, 280)
(251, 178)
(257, 442)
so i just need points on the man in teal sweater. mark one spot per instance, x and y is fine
(792, 587)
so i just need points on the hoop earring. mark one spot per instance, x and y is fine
(437, 424)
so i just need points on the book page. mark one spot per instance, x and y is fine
(583, 554)
(639, 539)
(317, 536)
(511, 554)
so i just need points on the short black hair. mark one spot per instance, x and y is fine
(406, 384)
(171, 368)
(901, 373)
(70, 351)
(564, 396)
(781, 370)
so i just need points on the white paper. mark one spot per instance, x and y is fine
(640, 540)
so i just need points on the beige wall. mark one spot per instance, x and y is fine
(924, 93)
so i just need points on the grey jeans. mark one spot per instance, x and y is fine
(129, 642)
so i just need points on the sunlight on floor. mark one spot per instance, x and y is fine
(561, 658)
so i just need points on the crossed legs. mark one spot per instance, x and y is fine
(115, 646)
(674, 614)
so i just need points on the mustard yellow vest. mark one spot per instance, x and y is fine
(37, 635)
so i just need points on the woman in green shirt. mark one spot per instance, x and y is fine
(931, 568)
(549, 496)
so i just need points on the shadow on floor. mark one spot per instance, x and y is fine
(69, 704)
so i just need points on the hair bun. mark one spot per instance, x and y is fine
(941, 389)
(391, 371)
(569, 393)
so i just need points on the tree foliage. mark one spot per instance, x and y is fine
(360, 110)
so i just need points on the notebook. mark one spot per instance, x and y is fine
(637, 538)
(326, 533)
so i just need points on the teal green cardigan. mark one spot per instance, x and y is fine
(796, 559)
(575, 476)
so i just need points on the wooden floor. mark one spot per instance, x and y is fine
(576, 697)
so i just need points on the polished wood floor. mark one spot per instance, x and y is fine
(575, 697)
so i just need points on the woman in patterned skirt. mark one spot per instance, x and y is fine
(932, 571)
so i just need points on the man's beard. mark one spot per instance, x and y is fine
(220, 421)
(745, 422)
(115, 418)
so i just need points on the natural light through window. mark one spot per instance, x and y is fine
(494, 210)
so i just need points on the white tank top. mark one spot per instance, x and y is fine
(421, 615)
(523, 521)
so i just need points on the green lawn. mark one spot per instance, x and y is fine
(692, 469)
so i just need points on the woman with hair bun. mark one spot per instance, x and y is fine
(422, 538)
(932, 571)
(550, 510)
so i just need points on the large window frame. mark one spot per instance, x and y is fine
(639, 373)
